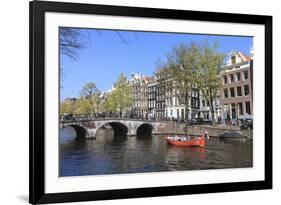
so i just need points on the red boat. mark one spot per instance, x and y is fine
(187, 142)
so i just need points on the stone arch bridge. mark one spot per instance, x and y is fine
(129, 127)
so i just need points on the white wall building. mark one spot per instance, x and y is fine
(205, 110)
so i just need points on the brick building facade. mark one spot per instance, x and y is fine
(236, 93)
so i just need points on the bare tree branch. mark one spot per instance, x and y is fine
(123, 40)
(72, 41)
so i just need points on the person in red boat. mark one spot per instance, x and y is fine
(206, 135)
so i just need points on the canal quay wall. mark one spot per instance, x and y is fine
(89, 128)
(213, 130)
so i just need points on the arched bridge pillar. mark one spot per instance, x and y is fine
(91, 133)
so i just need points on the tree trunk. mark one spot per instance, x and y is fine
(186, 118)
(212, 110)
(186, 112)
(92, 103)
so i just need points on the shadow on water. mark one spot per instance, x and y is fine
(144, 137)
(119, 139)
(107, 136)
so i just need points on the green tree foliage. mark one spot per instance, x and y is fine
(67, 107)
(90, 93)
(111, 103)
(120, 97)
(194, 65)
(89, 102)
(96, 102)
(83, 107)
(208, 63)
(180, 74)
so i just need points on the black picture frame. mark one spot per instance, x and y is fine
(37, 9)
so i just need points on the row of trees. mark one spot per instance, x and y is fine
(87, 103)
(194, 65)
(120, 98)
(91, 100)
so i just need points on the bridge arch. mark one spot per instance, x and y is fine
(81, 132)
(144, 129)
(119, 128)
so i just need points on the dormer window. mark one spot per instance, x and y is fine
(233, 59)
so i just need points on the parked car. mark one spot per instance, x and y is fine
(246, 124)
(200, 121)
(100, 115)
(67, 116)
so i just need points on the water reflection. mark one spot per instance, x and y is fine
(121, 154)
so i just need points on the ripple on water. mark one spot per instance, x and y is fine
(113, 155)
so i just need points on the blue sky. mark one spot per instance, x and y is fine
(106, 56)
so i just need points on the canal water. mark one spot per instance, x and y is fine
(115, 155)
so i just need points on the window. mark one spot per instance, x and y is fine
(233, 59)
(239, 91)
(225, 94)
(231, 78)
(246, 89)
(248, 108)
(232, 92)
(194, 102)
(203, 103)
(206, 116)
(238, 76)
(225, 79)
(245, 75)
(233, 111)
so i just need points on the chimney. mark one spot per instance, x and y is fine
(251, 52)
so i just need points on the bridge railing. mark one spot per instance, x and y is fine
(72, 118)
(85, 119)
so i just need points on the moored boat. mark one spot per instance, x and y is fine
(231, 135)
(187, 141)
